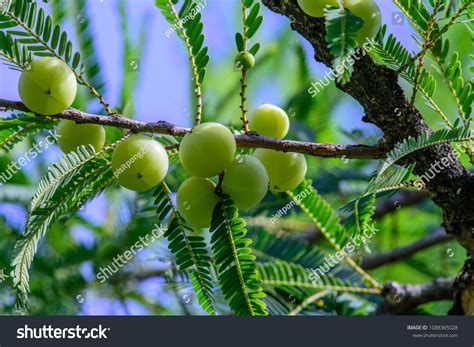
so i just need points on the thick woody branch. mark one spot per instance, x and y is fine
(375, 261)
(252, 140)
(401, 298)
(377, 89)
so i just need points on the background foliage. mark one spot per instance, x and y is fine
(146, 75)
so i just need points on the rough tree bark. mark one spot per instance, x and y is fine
(377, 89)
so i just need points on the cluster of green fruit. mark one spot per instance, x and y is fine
(48, 87)
(367, 10)
(140, 163)
(209, 150)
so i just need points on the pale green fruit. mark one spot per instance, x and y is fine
(370, 14)
(72, 135)
(207, 150)
(196, 200)
(140, 163)
(245, 60)
(270, 120)
(48, 86)
(315, 8)
(285, 170)
(246, 181)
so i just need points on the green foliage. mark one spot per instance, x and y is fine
(320, 213)
(195, 35)
(86, 43)
(252, 22)
(236, 267)
(19, 126)
(341, 32)
(451, 69)
(190, 250)
(14, 55)
(282, 273)
(392, 53)
(417, 13)
(70, 183)
(34, 30)
(361, 212)
(390, 180)
(411, 144)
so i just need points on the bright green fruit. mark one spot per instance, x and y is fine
(285, 170)
(140, 163)
(269, 120)
(315, 8)
(370, 14)
(246, 181)
(245, 60)
(207, 150)
(72, 135)
(196, 200)
(48, 86)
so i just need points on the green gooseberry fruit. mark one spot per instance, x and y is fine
(246, 181)
(140, 163)
(72, 135)
(270, 120)
(245, 60)
(315, 8)
(207, 150)
(370, 14)
(48, 86)
(285, 170)
(196, 200)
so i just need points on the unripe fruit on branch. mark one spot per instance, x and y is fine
(370, 14)
(246, 181)
(48, 86)
(207, 150)
(315, 8)
(72, 135)
(140, 163)
(367, 10)
(196, 199)
(244, 60)
(269, 120)
(285, 170)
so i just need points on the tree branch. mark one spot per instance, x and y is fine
(377, 89)
(401, 298)
(250, 140)
(374, 261)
